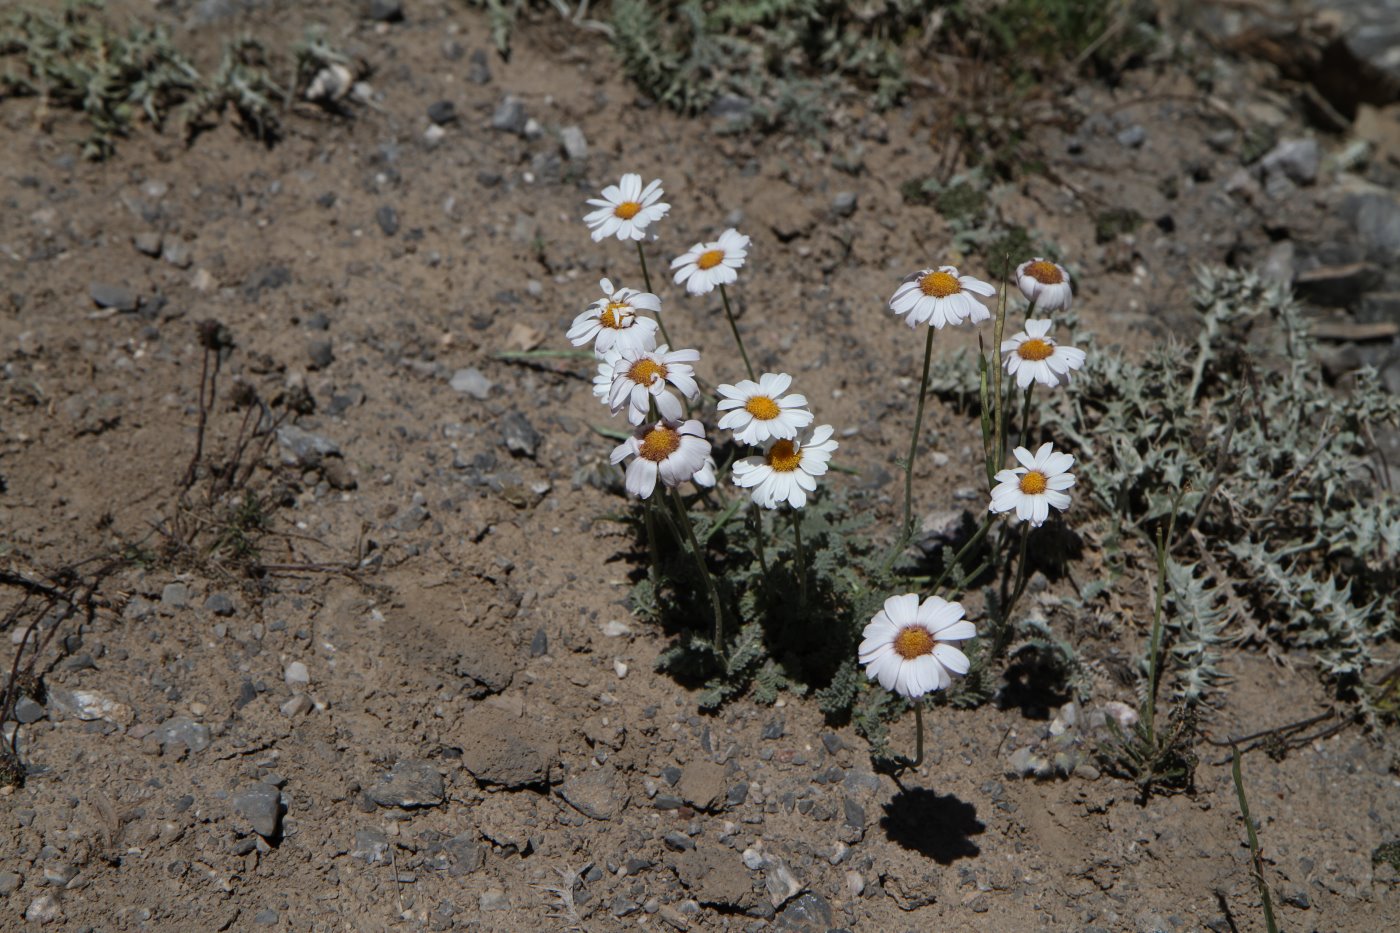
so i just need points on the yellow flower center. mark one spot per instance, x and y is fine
(616, 315)
(1035, 349)
(784, 456)
(913, 641)
(762, 407)
(645, 370)
(1033, 483)
(660, 443)
(627, 210)
(710, 258)
(1045, 272)
(939, 285)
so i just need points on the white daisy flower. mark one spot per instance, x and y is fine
(672, 450)
(941, 297)
(1033, 356)
(602, 382)
(905, 646)
(614, 323)
(640, 378)
(788, 471)
(1045, 284)
(626, 209)
(705, 476)
(711, 264)
(758, 411)
(1038, 483)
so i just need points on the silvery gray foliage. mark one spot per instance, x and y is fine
(1274, 477)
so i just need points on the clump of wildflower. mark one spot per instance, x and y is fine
(707, 265)
(788, 471)
(1038, 483)
(906, 646)
(626, 209)
(1033, 356)
(1045, 284)
(613, 322)
(669, 450)
(940, 297)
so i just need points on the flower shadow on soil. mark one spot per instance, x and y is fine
(938, 826)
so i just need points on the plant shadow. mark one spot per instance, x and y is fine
(938, 826)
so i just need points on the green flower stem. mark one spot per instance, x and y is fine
(1258, 862)
(729, 313)
(965, 549)
(758, 538)
(906, 532)
(648, 514)
(918, 732)
(1003, 632)
(1026, 417)
(801, 557)
(1150, 712)
(646, 277)
(683, 517)
(999, 428)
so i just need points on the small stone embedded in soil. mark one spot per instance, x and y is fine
(10, 882)
(773, 729)
(810, 913)
(320, 353)
(182, 731)
(717, 876)
(844, 204)
(89, 705)
(385, 11)
(574, 143)
(467, 854)
(388, 220)
(302, 448)
(175, 596)
(370, 846)
(678, 842)
(261, 805)
(442, 112)
(519, 435)
(493, 899)
(702, 785)
(266, 917)
(219, 604)
(147, 243)
(107, 295)
(479, 71)
(44, 909)
(296, 675)
(509, 116)
(539, 644)
(298, 705)
(595, 793)
(1298, 159)
(506, 750)
(1132, 137)
(471, 381)
(408, 785)
(27, 711)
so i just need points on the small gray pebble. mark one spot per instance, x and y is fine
(320, 353)
(509, 116)
(385, 11)
(147, 243)
(219, 604)
(388, 220)
(442, 112)
(261, 805)
(107, 295)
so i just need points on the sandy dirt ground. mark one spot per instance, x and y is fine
(433, 709)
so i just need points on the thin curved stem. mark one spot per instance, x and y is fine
(906, 532)
(684, 518)
(918, 732)
(733, 325)
(801, 557)
(646, 277)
